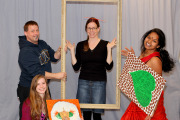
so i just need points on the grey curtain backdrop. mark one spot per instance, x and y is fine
(138, 16)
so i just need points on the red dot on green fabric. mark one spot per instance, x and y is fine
(144, 84)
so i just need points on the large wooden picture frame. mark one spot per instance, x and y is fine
(118, 53)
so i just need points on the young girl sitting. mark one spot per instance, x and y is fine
(34, 107)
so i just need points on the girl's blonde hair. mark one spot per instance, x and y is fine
(36, 100)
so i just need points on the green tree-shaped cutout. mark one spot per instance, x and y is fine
(144, 84)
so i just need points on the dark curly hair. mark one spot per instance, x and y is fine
(167, 61)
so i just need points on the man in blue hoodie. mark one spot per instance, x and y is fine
(35, 57)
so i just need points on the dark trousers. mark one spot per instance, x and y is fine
(87, 115)
(23, 94)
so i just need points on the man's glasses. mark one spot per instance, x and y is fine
(89, 29)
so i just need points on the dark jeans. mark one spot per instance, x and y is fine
(22, 94)
(93, 92)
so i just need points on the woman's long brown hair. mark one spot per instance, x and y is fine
(36, 100)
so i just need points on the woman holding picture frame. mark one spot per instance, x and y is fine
(93, 57)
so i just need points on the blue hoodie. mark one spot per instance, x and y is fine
(34, 59)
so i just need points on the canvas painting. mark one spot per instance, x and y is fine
(67, 109)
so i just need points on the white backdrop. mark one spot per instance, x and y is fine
(138, 16)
